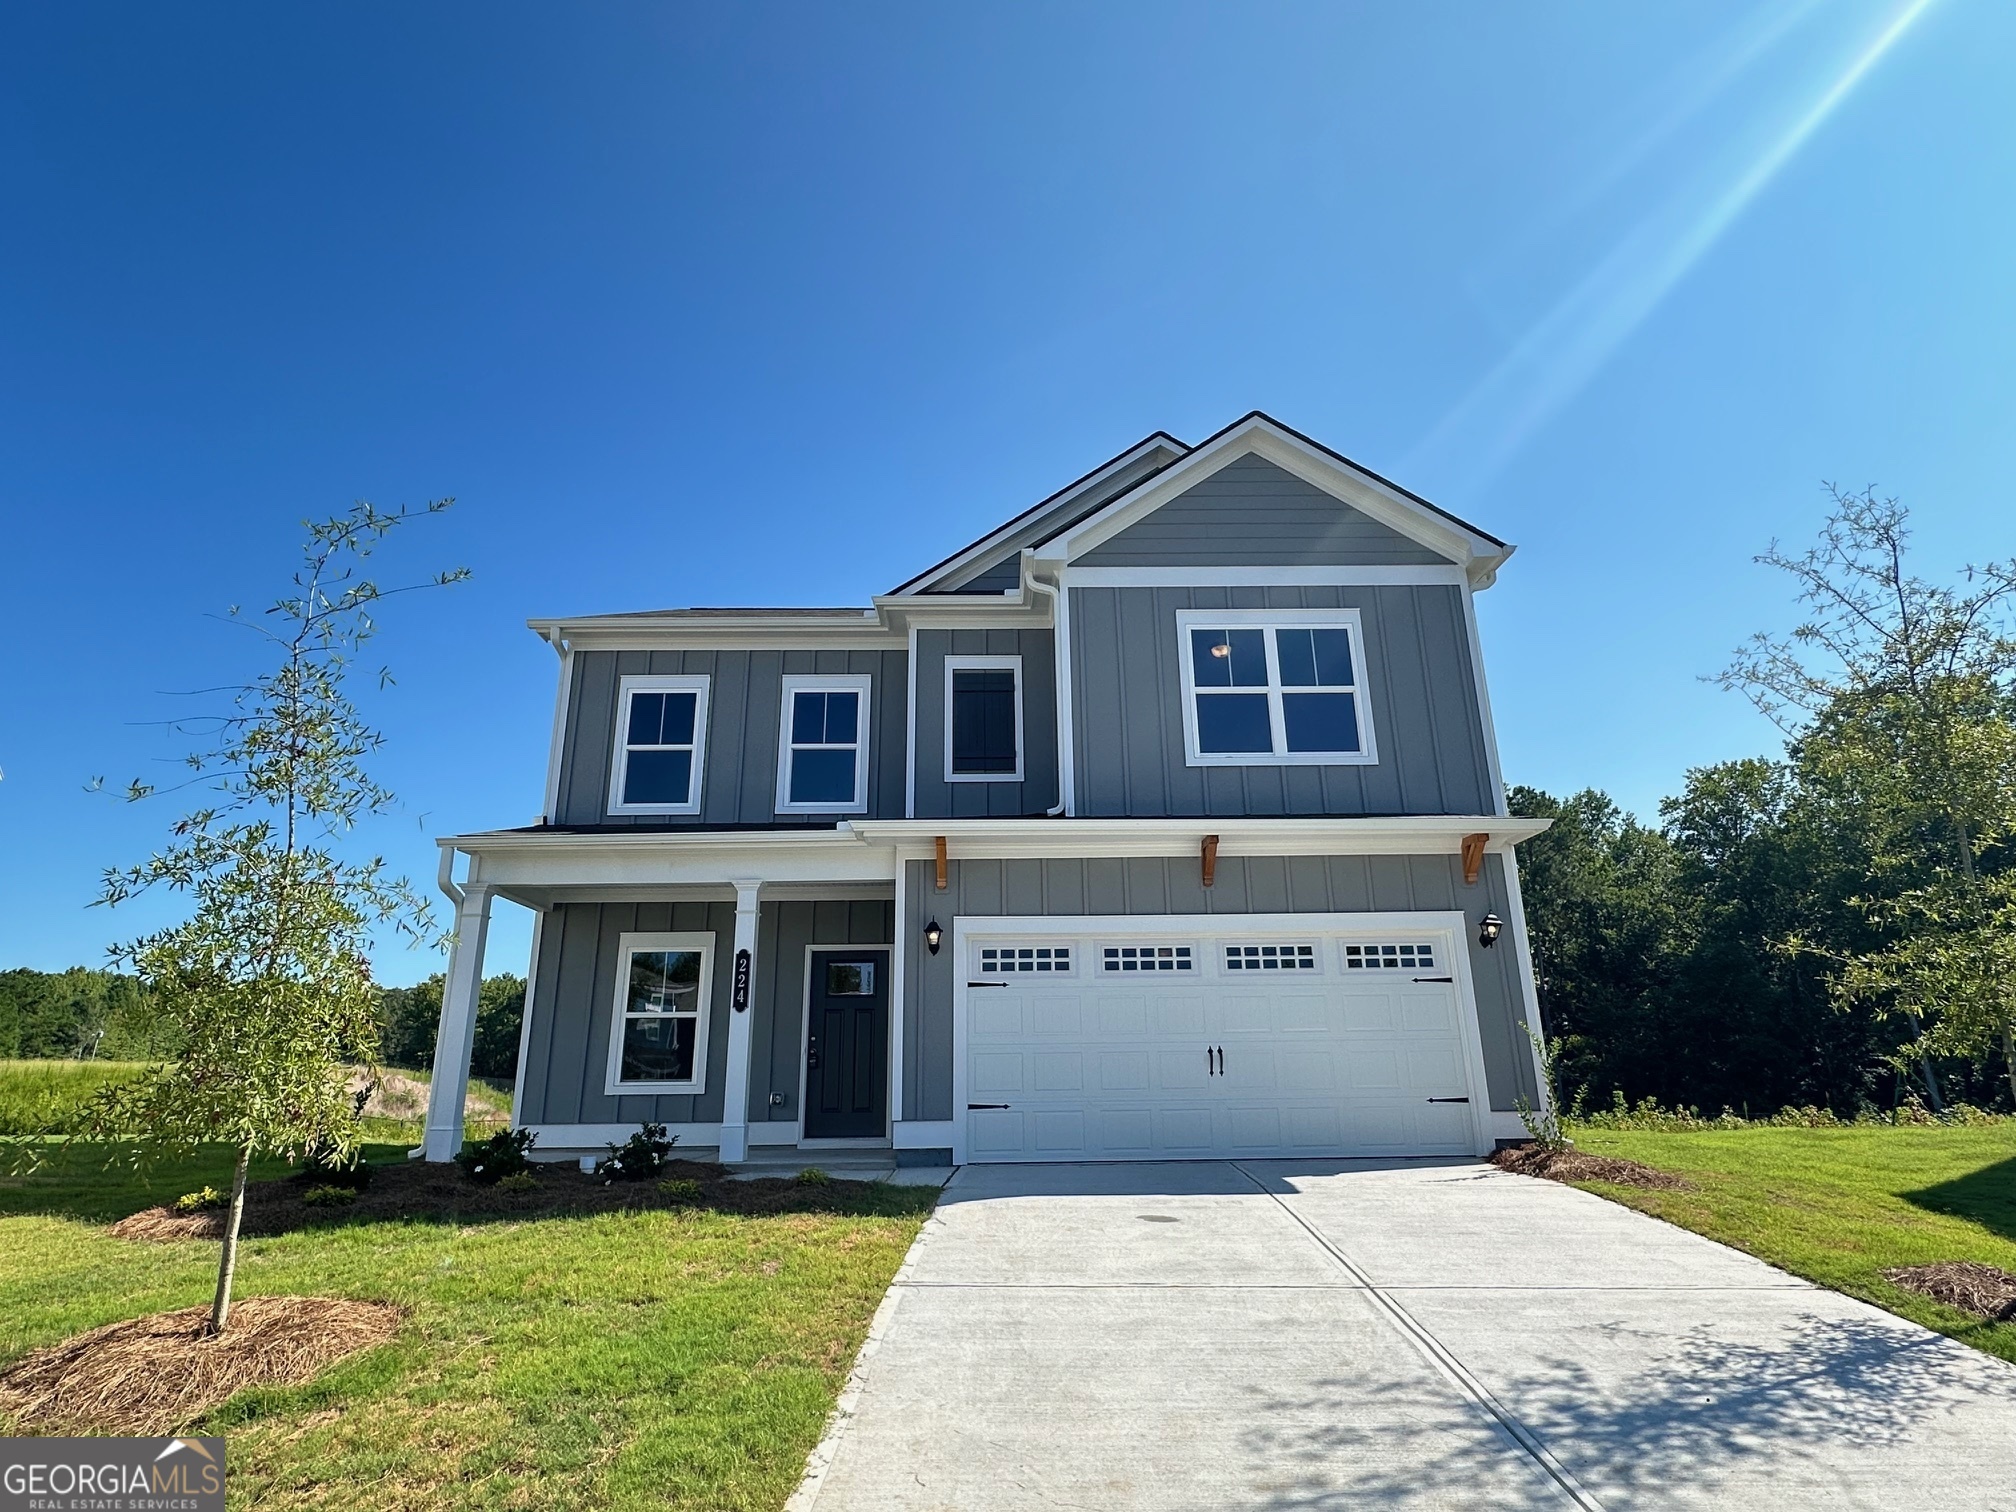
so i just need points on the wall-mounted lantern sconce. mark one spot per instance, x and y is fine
(1488, 930)
(933, 935)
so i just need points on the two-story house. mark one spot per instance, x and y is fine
(1165, 821)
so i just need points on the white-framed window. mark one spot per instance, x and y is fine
(1020, 960)
(1295, 957)
(983, 719)
(658, 1036)
(661, 739)
(822, 745)
(1274, 687)
(1145, 958)
(1394, 957)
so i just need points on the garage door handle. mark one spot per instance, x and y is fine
(1434, 979)
(972, 1107)
(1448, 1099)
(986, 984)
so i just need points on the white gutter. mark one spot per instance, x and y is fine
(562, 697)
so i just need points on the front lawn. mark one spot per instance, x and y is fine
(682, 1359)
(1840, 1206)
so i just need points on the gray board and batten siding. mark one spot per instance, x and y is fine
(1127, 709)
(574, 996)
(1037, 791)
(744, 710)
(1251, 513)
(1173, 885)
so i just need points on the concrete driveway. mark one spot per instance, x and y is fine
(1357, 1334)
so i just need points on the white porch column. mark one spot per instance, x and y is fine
(742, 979)
(457, 1036)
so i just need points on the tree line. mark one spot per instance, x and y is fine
(1833, 927)
(82, 1014)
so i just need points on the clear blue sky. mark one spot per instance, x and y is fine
(778, 304)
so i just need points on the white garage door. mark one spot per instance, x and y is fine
(1177, 1038)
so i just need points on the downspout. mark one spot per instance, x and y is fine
(561, 699)
(1060, 619)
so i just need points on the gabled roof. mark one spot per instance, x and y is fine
(1083, 496)
(1259, 434)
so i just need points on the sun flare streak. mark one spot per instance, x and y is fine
(1559, 354)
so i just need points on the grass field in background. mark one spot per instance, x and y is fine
(1839, 1206)
(41, 1097)
(660, 1359)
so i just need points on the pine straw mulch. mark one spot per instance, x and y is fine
(152, 1375)
(420, 1191)
(1983, 1290)
(1572, 1164)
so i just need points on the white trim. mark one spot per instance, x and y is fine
(1484, 701)
(560, 1141)
(805, 1045)
(1529, 980)
(629, 687)
(851, 682)
(925, 1134)
(626, 945)
(953, 565)
(563, 698)
(899, 956)
(525, 1015)
(1345, 481)
(1264, 577)
(954, 664)
(1450, 927)
(1267, 621)
(910, 729)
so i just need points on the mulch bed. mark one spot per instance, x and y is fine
(152, 1375)
(424, 1192)
(1573, 1165)
(1983, 1290)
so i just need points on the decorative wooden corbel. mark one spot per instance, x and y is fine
(1473, 857)
(1210, 859)
(941, 863)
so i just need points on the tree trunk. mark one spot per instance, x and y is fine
(1931, 1082)
(227, 1263)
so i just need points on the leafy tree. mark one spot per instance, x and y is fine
(74, 1014)
(410, 1017)
(1899, 695)
(267, 984)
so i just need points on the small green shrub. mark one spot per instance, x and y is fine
(502, 1154)
(518, 1181)
(329, 1196)
(813, 1176)
(1648, 1116)
(680, 1188)
(641, 1157)
(200, 1201)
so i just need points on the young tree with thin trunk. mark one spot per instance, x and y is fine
(1899, 696)
(267, 984)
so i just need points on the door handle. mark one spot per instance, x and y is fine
(1449, 1099)
(972, 1107)
(1221, 1060)
(1434, 979)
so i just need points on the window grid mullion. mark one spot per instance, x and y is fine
(1277, 716)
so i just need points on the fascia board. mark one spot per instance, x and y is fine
(576, 861)
(1293, 455)
(953, 565)
(988, 838)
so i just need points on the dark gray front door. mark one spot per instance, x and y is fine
(847, 1045)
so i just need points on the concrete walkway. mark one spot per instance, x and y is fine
(1357, 1334)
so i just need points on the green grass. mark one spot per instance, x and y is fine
(40, 1096)
(1839, 1206)
(682, 1359)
